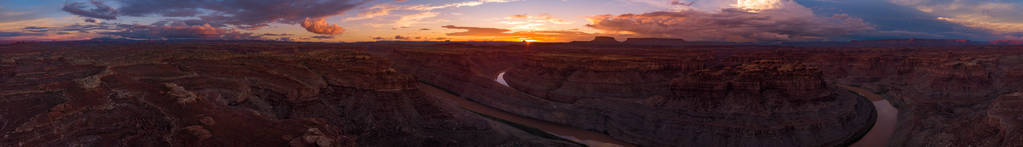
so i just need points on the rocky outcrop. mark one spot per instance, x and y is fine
(1007, 42)
(732, 102)
(567, 78)
(654, 98)
(655, 41)
(942, 103)
(599, 40)
(604, 39)
(912, 42)
(1006, 113)
(177, 94)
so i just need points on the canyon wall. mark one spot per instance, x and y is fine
(649, 100)
(169, 95)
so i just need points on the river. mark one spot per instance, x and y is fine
(878, 136)
(588, 138)
(887, 116)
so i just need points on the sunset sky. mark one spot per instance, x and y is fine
(511, 20)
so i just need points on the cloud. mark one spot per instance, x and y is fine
(773, 20)
(998, 16)
(894, 21)
(374, 11)
(323, 37)
(98, 10)
(386, 8)
(87, 28)
(320, 26)
(179, 31)
(408, 38)
(399, 37)
(681, 3)
(276, 35)
(476, 31)
(508, 35)
(532, 22)
(456, 5)
(409, 20)
(16, 34)
(36, 29)
(243, 14)
(1004, 27)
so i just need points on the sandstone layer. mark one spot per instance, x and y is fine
(225, 94)
(661, 100)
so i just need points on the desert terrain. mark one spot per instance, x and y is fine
(647, 92)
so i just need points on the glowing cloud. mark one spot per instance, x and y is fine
(320, 26)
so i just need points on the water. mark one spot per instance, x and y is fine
(883, 129)
(500, 79)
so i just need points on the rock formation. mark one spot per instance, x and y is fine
(655, 41)
(599, 40)
(654, 100)
(179, 94)
(307, 94)
(1007, 42)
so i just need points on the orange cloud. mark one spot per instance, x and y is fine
(320, 26)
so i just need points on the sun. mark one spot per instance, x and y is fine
(528, 39)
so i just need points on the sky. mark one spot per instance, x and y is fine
(510, 20)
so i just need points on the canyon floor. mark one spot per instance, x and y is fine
(258, 93)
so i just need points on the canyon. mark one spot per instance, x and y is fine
(650, 92)
(237, 94)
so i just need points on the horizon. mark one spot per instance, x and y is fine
(619, 40)
(740, 21)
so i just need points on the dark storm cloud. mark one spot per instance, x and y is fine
(97, 10)
(86, 28)
(323, 37)
(399, 37)
(894, 21)
(36, 29)
(16, 34)
(179, 31)
(244, 14)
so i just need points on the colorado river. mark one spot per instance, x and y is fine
(887, 115)
(588, 138)
(500, 79)
(877, 136)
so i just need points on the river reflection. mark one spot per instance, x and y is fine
(887, 116)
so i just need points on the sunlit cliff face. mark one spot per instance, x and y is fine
(759, 5)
